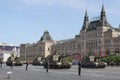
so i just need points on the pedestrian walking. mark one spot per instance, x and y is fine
(27, 63)
(79, 68)
(46, 66)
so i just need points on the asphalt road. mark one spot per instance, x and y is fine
(39, 73)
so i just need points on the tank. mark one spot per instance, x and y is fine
(38, 61)
(17, 61)
(57, 62)
(93, 62)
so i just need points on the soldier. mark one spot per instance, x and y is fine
(12, 60)
(46, 66)
(79, 68)
(1, 64)
(11, 64)
(27, 63)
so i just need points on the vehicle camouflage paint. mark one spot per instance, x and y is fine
(93, 62)
(38, 61)
(57, 62)
(15, 62)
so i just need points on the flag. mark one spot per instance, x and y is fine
(99, 51)
(92, 53)
(79, 57)
(96, 52)
(0, 51)
(104, 53)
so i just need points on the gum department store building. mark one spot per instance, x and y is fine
(96, 34)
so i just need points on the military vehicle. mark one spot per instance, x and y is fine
(15, 62)
(93, 62)
(38, 61)
(57, 62)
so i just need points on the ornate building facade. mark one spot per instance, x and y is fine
(67, 46)
(96, 36)
(42, 48)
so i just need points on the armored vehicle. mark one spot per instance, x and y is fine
(93, 62)
(38, 61)
(15, 62)
(57, 62)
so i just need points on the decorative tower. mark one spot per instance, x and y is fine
(103, 17)
(86, 21)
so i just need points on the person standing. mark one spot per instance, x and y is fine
(27, 63)
(46, 66)
(79, 68)
(11, 64)
(1, 64)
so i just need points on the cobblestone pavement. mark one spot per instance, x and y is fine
(2, 78)
(39, 73)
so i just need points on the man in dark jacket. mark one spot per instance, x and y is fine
(79, 68)
(11, 64)
(46, 66)
(1, 64)
(27, 63)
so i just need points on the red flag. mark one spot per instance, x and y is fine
(95, 52)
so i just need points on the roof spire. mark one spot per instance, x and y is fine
(86, 21)
(103, 16)
(86, 15)
(103, 10)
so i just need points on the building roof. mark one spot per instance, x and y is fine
(97, 23)
(46, 37)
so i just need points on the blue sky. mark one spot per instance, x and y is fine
(24, 21)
